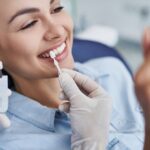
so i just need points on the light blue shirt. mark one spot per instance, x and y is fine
(36, 127)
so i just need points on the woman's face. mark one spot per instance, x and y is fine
(29, 29)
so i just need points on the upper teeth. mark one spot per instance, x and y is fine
(60, 49)
(57, 51)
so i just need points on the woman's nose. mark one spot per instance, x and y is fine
(54, 31)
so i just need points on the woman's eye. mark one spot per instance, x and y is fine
(29, 25)
(57, 10)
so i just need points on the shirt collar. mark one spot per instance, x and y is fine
(93, 73)
(31, 111)
(41, 116)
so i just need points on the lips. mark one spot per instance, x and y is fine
(58, 51)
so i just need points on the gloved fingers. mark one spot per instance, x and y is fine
(4, 121)
(64, 106)
(99, 92)
(83, 81)
(62, 95)
(68, 85)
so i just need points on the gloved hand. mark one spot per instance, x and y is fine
(4, 94)
(4, 121)
(90, 108)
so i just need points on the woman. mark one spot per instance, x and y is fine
(31, 30)
(28, 31)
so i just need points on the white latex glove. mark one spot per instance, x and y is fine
(90, 108)
(4, 94)
(4, 121)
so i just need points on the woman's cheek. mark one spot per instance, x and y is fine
(25, 44)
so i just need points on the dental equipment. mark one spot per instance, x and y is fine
(65, 104)
(4, 94)
(53, 55)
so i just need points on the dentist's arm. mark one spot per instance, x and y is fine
(90, 108)
(142, 87)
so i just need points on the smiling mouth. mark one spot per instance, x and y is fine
(58, 51)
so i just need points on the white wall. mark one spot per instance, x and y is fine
(129, 17)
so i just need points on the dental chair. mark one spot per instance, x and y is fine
(84, 50)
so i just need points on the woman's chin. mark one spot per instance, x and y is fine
(68, 64)
(71, 66)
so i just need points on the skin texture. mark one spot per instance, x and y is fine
(20, 46)
(142, 86)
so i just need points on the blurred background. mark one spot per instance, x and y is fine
(116, 23)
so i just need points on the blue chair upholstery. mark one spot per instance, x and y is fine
(84, 50)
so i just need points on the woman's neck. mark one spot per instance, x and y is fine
(44, 91)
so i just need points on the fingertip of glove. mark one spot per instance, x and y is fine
(64, 70)
(64, 107)
(64, 78)
(4, 121)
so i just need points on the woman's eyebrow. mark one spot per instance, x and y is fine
(22, 12)
(51, 1)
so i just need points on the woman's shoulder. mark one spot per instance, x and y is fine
(109, 66)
